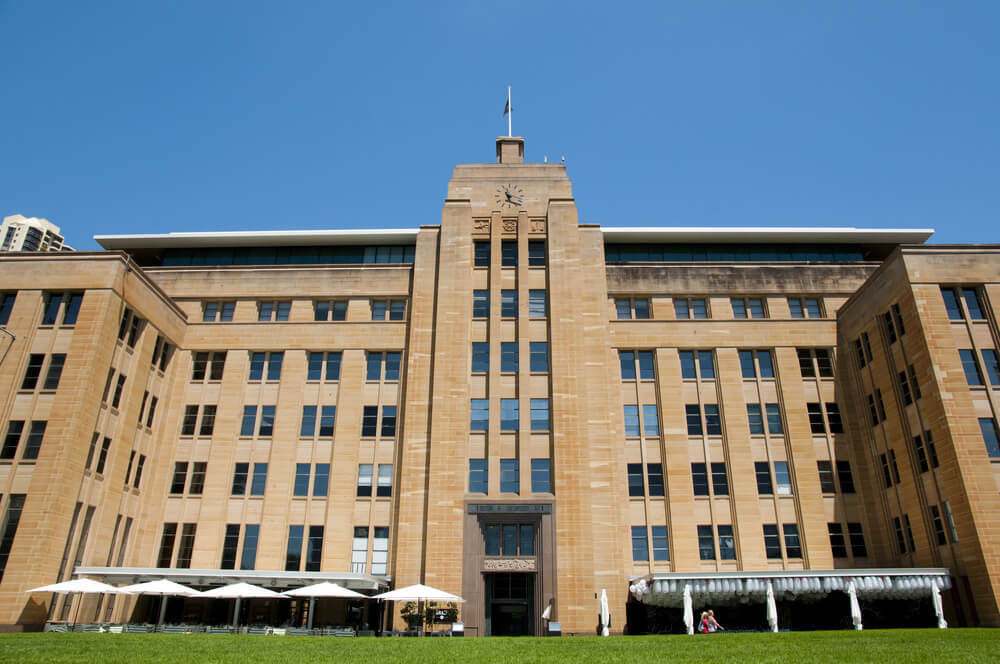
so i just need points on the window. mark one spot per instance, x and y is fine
(804, 307)
(102, 458)
(335, 310)
(259, 482)
(900, 538)
(697, 364)
(692, 414)
(857, 538)
(13, 439)
(508, 304)
(250, 534)
(640, 547)
(34, 443)
(872, 410)
(837, 544)
(152, 411)
(293, 551)
(300, 486)
(388, 421)
(727, 543)
(661, 547)
(207, 365)
(479, 476)
(374, 369)
(214, 312)
(655, 473)
(479, 414)
(909, 532)
(480, 304)
(713, 423)
(706, 543)
(973, 376)
(56, 363)
(60, 308)
(365, 477)
(240, 473)
(162, 352)
(926, 453)
(992, 366)
(186, 548)
(720, 480)
(897, 316)
(266, 428)
(988, 427)
(539, 356)
(949, 517)
(690, 308)
(508, 253)
(541, 481)
(651, 420)
(752, 307)
(763, 473)
(508, 357)
(324, 366)
(890, 327)
(845, 477)
(816, 421)
(773, 413)
(628, 308)
(782, 478)
(537, 306)
(396, 309)
(969, 296)
(772, 543)
(380, 550)
(138, 471)
(197, 485)
(273, 311)
(826, 477)
(119, 390)
(179, 480)
(752, 360)
(635, 480)
(272, 361)
(509, 415)
(6, 306)
(755, 419)
(10, 522)
(540, 414)
(33, 371)
(699, 478)
(481, 253)
(793, 548)
(166, 554)
(510, 476)
(359, 550)
(886, 473)
(632, 420)
(626, 359)
(536, 253)
(481, 357)
(383, 486)
(904, 389)
(942, 539)
(189, 424)
(369, 421)
(815, 361)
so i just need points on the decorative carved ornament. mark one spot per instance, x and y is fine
(537, 225)
(510, 225)
(481, 225)
(509, 565)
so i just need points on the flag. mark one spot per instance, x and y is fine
(506, 107)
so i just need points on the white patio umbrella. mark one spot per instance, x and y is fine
(938, 608)
(852, 591)
(76, 586)
(605, 614)
(418, 593)
(162, 588)
(240, 591)
(772, 609)
(324, 589)
(688, 609)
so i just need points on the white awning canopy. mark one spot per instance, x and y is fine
(218, 577)
(806, 585)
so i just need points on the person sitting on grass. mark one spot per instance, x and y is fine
(713, 625)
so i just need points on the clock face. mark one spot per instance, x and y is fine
(509, 196)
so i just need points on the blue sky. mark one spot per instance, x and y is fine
(150, 117)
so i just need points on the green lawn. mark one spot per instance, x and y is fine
(965, 646)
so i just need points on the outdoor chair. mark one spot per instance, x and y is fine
(258, 630)
(298, 631)
(218, 630)
(90, 628)
(176, 629)
(140, 629)
(116, 629)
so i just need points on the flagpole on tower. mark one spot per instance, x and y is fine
(510, 113)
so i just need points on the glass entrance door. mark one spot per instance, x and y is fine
(510, 604)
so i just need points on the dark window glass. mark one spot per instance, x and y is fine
(478, 476)
(249, 558)
(33, 371)
(942, 539)
(207, 420)
(374, 368)
(328, 417)
(845, 477)
(539, 351)
(388, 421)
(623, 308)
(681, 309)
(52, 305)
(186, 548)
(823, 362)
(537, 306)
(857, 537)
(479, 414)
(763, 473)
(772, 543)
(651, 419)
(308, 428)
(481, 304)
(706, 543)
(321, 479)
(509, 415)
(508, 356)
(720, 480)
(72, 308)
(647, 370)
(240, 474)
(640, 547)
(13, 439)
(699, 478)
(793, 548)
(301, 485)
(642, 309)
(102, 458)
(988, 427)
(492, 538)
(764, 360)
(34, 443)
(536, 253)
(180, 477)
(6, 306)
(661, 547)
(392, 366)
(508, 253)
(713, 423)
(826, 483)
(755, 419)
(972, 374)
(747, 367)
(837, 544)
(369, 421)
(164, 558)
(397, 310)
(688, 369)
(56, 363)
(774, 425)
(266, 421)
(293, 555)
(727, 543)
(197, 478)
(539, 414)
(365, 479)
(635, 482)
(482, 253)
(510, 476)
(508, 304)
(806, 363)
(972, 303)
(693, 416)
(541, 481)
(249, 420)
(631, 420)
(816, 421)
(333, 366)
(655, 472)
(951, 303)
(992, 366)
(314, 370)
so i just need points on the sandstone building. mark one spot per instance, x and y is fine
(511, 406)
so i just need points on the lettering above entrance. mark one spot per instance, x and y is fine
(509, 565)
(510, 508)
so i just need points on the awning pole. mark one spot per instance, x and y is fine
(312, 608)
(236, 615)
(163, 610)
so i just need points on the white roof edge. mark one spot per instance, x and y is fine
(768, 234)
(800, 573)
(256, 238)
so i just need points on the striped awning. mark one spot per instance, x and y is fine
(806, 585)
(274, 579)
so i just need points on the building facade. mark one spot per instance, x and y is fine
(511, 406)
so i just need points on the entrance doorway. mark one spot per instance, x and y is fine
(510, 604)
